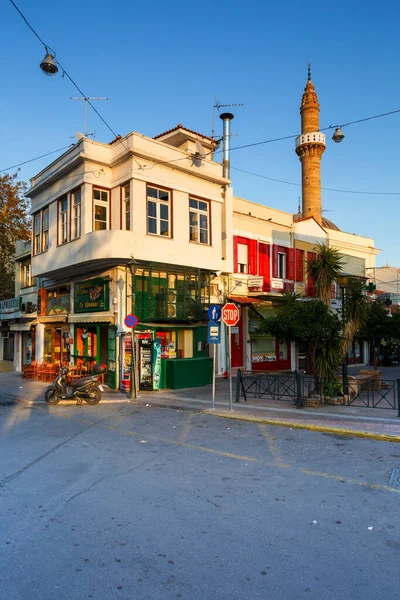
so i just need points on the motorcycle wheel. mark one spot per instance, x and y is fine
(95, 396)
(52, 397)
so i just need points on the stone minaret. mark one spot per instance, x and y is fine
(310, 146)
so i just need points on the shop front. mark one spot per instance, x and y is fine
(53, 307)
(168, 356)
(93, 333)
(267, 353)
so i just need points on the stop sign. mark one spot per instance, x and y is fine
(230, 314)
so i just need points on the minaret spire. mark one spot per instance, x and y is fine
(310, 146)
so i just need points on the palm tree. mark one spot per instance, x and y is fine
(324, 268)
(355, 311)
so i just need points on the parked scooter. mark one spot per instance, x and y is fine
(87, 388)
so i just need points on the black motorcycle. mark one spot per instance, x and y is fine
(87, 388)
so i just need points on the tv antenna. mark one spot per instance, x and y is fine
(216, 108)
(85, 101)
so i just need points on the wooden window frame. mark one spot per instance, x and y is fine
(59, 212)
(72, 218)
(108, 222)
(123, 207)
(36, 234)
(200, 212)
(170, 213)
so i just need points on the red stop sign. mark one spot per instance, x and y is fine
(230, 314)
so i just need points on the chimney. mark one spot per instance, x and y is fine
(226, 118)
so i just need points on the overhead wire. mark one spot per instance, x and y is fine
(47, 47)
(25, 162)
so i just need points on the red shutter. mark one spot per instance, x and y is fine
(252, 250)
(290, 263)
(264, 265)
(275, 250)
(310, 280)
(299, 265)
(235, 254)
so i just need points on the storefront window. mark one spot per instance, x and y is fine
(263, 350)
(47, 344)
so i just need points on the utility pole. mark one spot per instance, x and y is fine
(85, 101)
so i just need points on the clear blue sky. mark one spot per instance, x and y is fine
(160, 64)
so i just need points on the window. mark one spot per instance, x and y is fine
(198, 219)
(26, 275)
(281, 265)
(243, 258)
(101, 209)
(76, 215)
(63, 220)
(158, 212)
(38, 233)
(126, 207)
(45, 221)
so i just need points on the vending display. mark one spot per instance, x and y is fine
(145, 364)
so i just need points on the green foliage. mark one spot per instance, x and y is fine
(355, 311)
(311, 323)
(377, 324)
(14, 225)
(324, 268)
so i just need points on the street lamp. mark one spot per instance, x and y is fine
(338, 135)
(343, 281)
(48, 64)
(133, 387)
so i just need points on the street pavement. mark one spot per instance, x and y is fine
(124, 501)
(353, 420)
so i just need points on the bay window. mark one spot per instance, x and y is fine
(158, 212)
(126, 207)
(76, 215)
(63, 220)
(101, 209)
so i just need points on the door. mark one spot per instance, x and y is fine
(237, 343)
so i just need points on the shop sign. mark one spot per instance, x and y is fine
(10, 306)
(57, 305)
(92, 296)
(255, 284)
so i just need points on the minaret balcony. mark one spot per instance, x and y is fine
(314, 137)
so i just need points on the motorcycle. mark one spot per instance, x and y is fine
(87, 388)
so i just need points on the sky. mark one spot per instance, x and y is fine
(162, 63)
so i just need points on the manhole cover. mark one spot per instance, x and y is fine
(395, 478)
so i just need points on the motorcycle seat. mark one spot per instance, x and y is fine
(79, 382)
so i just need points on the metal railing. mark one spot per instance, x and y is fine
(301, 389)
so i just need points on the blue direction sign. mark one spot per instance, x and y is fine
(131, 321)
(214, 332)
(214, 312)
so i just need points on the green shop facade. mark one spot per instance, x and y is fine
(94, 332)
(171, 303)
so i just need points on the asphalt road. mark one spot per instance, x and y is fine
(139, 503)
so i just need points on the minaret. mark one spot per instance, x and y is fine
(310, 146)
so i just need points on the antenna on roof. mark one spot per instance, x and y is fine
(85, 101)
(216, 108)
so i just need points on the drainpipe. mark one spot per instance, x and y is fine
(226, 118)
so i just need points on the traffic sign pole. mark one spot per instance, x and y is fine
(230, 367)
(132, 321)
(213, 384)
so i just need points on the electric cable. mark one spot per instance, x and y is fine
(25, 162)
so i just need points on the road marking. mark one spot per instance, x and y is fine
(272, 446)
(372, 486)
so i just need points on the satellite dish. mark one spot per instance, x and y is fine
(200, 149)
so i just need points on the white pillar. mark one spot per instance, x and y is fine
(293, 364)
(39, 352)
(17, 351)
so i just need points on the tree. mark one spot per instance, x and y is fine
(14, 225)
(311, 323)
(355, 311)
(324, 268)
(377, 325)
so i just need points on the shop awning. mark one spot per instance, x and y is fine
(244, 300)
(92, 318)
(22, 326)
(53, 319)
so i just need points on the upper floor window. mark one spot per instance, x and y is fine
(101, 209)
(158, 212)
(243, 258)
(281, 265)
(26, 274)
(45, 230)
(76, 214)
(37, 233)
(63, 220)
(199, 221)
(126, 207)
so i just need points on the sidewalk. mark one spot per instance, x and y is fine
(341, 420)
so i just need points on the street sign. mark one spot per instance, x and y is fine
(230, 314)
(214, 312)
(131, 321)
(214, 332)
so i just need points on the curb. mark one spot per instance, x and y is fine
(383, 437)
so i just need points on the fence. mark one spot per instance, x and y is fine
(298, 389)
